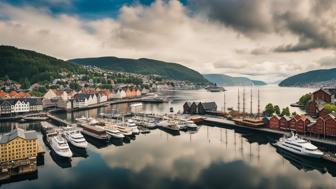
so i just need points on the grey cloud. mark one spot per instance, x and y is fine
(312, 21)
(246, 16)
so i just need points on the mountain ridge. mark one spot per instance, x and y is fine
(226, 80)
(144, 66)
(313, 78)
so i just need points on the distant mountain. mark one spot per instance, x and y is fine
(222, 79)
(315, 78)
(144, 66)
(20, 65)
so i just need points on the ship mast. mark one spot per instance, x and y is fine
(258, 104)
(251, 103)
(243, 102)
(224, 105)
(238, 102)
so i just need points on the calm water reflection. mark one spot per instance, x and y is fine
(212, 157)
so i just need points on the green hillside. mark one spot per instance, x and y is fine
(20, 65)
(315, 77)
(222, 79)
(144, 66)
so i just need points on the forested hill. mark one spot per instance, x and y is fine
(144, 66)
(315, 78)
(20, 65)
(226, 80)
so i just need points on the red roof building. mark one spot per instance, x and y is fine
(274, 122)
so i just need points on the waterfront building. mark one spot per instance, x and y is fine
(293, 121)
(206, 107)
(20, 105)
(82, 100)
(330, 125)
(325, 94)
(314, 107)
(18, 144)
(302, 123)
(186, 107)
(58, 98)
(318, 127)
(274, 122)
(284, 123)
(193, 108)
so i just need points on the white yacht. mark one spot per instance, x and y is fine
(59, 145)
(299, 146)
(113, 132)
(130, 123)
(191, 125)
(75, 137)
(168, 124)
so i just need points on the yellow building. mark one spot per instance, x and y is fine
(18, 144)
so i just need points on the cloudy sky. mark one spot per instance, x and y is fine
(261, 39)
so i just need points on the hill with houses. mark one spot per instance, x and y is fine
(172, 71)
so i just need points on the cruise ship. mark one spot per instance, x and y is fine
(75, 137)
(299, 146)
(59, 144)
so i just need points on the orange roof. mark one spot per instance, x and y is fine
(13, 94)
(3, 94)
(23, 94)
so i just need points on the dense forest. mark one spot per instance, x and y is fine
(28, 66)
(144, 66)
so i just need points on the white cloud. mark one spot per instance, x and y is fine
(163, 30)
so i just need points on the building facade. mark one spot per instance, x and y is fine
(18, 144)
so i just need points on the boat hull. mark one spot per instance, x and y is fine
(301, 152)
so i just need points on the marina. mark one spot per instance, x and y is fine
(224, 139)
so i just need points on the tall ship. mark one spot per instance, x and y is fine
(299, 146)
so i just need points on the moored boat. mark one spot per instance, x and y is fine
(299, 146)
(74, 136)
(59, 145)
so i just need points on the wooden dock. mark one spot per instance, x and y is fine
(231, 124)
(59, 120)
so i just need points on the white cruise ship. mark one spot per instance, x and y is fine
(299, 146)
(75, 137)
(59, 145)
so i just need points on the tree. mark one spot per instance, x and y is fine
(269, 109)
(75, 86)
(304, 99)
(42, 89)
(25, 84)
(277, 109)
(329, 107)
(285, 112)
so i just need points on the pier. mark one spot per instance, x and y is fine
(207, 120)
(59, 120)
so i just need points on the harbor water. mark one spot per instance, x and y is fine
(211, 157)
